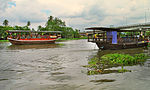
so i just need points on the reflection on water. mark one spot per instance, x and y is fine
(103, 80)
(57, 67)
(123, 51)
(3, 45)
(42, 46)
(8, 45)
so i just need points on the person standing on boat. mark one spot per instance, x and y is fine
(96, 36)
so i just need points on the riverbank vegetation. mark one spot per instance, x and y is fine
(5, 27)
(56, 24)
(102, 65)
(3, 40)
(52, 24)
(65, 39)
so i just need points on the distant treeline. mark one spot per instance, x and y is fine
(52, 24)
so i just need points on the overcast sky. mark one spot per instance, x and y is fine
(76, 13)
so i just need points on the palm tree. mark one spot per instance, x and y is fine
(5, 23)
(39, 27)
(28, 23)
(50, 18)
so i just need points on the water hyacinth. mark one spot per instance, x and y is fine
(98, 65)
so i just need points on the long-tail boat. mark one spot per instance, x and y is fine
(22, 37)
(117, 38)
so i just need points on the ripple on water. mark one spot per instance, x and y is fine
(3, 79)
(103, 80)
(57, 73)
(62, 78)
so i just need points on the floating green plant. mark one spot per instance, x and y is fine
(123, 70)
(97, 65)
(61, 44)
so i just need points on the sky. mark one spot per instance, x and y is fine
(78, 14)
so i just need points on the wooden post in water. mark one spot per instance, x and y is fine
(119, 37)
(88, 38)
(144, 35)
(102, 36)
(94, 35)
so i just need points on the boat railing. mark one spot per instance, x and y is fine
(33, 36)
(99, 38)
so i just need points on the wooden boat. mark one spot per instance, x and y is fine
(121, 46)
(21, 37)
(110, 38)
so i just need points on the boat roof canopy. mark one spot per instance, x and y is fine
(119, 29)
(102, 29)
(27, 31)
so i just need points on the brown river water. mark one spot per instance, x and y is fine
(60, 67)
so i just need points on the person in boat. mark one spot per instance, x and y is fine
(28, 36)
(23, 36)
(38, 36)
(10, 36)
(120, 40)
(138, 36)
(14, 36)
(95, 36)
(59, 36)
(45, 36)
(33, 36)
(53, 36)
(18, 37)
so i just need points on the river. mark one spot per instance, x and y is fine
(60, 67)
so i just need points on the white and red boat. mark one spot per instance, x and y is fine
(22, 37)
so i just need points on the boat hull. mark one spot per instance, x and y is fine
(29, 42)
(106, 46)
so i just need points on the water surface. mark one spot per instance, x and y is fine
(60, 67)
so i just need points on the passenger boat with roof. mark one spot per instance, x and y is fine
(22, 37)
(112, 38)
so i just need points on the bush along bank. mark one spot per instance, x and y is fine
(100, 65)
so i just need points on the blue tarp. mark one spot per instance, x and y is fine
(113, 35)
(109, 35)
(114, 39)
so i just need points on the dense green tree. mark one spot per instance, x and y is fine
(21, 28)
(3, 34)
(3, 29)
(56, 24)
(5, 23)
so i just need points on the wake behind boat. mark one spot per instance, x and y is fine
(22, 37)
